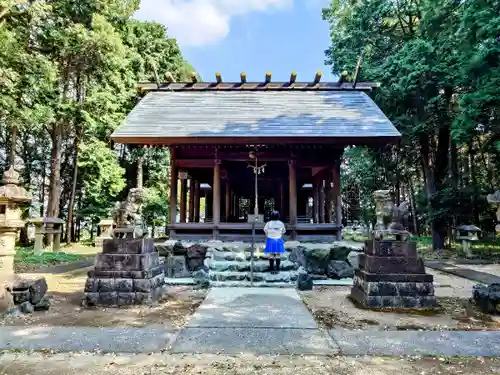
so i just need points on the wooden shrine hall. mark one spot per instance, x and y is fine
(247, 148)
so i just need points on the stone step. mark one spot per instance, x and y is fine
(267, 277)
(242, 256)
(247, 284)
(258, 266)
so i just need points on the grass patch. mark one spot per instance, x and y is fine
(26, 260)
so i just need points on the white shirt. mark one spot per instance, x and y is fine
(274, 229)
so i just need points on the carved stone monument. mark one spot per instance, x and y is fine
(390, 274)
(127, 272)
(127, 215)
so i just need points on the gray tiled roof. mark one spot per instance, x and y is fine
(256, 114)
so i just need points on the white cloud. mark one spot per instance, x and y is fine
(202, 22)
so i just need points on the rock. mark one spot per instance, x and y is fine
(43, 305)
(195, 256)
(339, 269)
(297, 255)
(487, 298)
(304, 280)
(31, 290)
(202, 278)
(170, 247)
(340, 250)
(26, 308)
(6, 300)
(12, 312)
(353, 259)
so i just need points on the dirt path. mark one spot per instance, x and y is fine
(87, 364)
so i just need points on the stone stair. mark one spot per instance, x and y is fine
(232, 268)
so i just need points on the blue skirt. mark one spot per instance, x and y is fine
(274, 246)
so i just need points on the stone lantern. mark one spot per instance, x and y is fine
(12, 196)
(106, 230)
(468, 234)
(494, 200)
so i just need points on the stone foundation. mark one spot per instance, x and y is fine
(390, 275)
(127, 272)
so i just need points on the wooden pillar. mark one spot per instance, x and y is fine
(209, 201)
(328, 195)
(292, 175)
(228, 200)
(216, 198)
(337, 198)
(183, 206)
(191, 200)
(173, 191)
(315, 203)
(196, 213)
(322, 202)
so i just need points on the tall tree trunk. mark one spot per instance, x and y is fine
(437, 228)
(70, 229)
(13, 144)
(55, 174)
(140, 172)
(69, 223)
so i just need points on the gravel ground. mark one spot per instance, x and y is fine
(90, 363)
(172, 312)
(332, 309)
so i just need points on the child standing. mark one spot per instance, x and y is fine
(274, 229)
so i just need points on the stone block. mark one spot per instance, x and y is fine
(43, 305)
(126, 262)
(91, 299)
(124, 285)
(393, 277)
(195, 255)
(128, 246)
(20, 296)
(176, 266)
(487, 298)
(108, 298)
(26, 307)
(392, 264)
(125, 298)
(393, 302)
(402, 289)
(339, 269)
(35, 288)
(390, 248)
(304, 280)
(91, 285)
(106, 285)
(106, 274)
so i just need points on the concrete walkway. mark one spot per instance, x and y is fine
(246, 340)
(461, 271)
(251, 320)
(257, 320)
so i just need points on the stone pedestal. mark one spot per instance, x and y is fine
(390, 275)
(127, 272)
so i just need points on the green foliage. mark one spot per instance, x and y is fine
(439, 68)
(68, 74)
(28, 256)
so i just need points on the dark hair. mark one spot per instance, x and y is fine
(275, 215)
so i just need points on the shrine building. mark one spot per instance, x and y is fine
(247, 146)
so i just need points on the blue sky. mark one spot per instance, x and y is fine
(254, 36)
